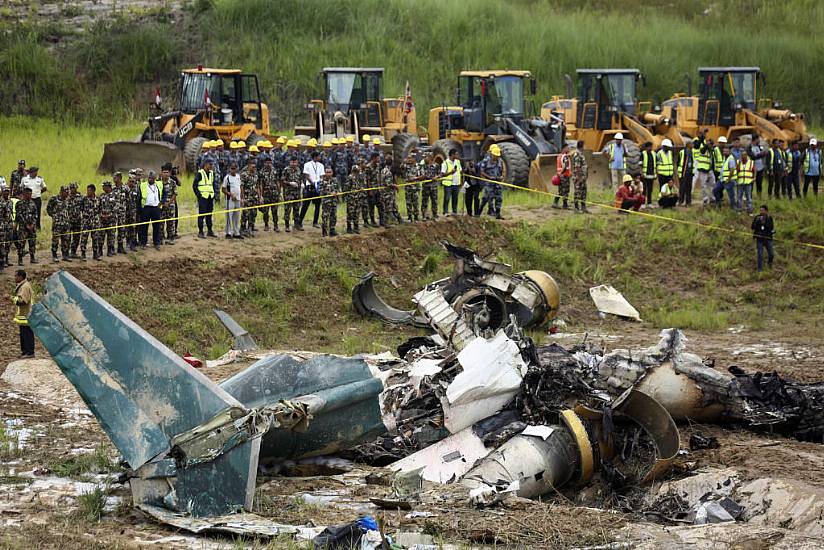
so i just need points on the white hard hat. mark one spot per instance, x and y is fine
(722, 139)
(619, 135)
(666, 143)
(813, 141)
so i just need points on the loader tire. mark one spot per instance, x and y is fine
(402, 145)
(440, 149)
(516, 164)
(191, 151)
(253, 139)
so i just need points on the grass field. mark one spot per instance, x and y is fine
(109, 71)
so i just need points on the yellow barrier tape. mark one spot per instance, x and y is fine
(650, 215)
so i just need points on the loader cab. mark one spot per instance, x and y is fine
(352, 89)
(488, 96)
(234, 97)
(724, 91)
(605, 93)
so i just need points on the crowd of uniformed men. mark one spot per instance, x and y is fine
(106, 216)
(261, 178)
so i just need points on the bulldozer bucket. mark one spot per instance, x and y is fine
(542, 169)
(148, 155)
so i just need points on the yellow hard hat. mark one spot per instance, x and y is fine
(241, 144)
(495, 151)
(327, 144)
(292, 143)
(282, 140)
(206, 145)
(376, 141)
(627, 178)
(264, 144)
(233, 145)
(350, 139)
(254, 149)
(312, 142)
(335, 141)
(214, 143)
(365, 138)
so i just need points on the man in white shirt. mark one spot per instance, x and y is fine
(451, 171)
(151, 194)
(231, 189)
(34, 182)
(312, 174)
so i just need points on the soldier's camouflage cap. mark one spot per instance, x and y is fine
(73, 185)
(107, 183)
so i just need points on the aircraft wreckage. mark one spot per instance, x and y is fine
(484, 408)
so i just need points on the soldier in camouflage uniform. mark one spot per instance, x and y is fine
(75, 203)
(412, 173)
(579, 178)
(108, 218)
(17, 177)
(58, 209)
(250, 197)
(130, 217)
(354, 183)
(372, 174)
(90, 223)
(270, 186)
(6, 228)
(121, 194)
(492, 168)
(430, 187)
(329, 205)
(290, 180)
(26, 227)
(389, 189)
(168, 207)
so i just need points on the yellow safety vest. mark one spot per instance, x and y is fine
(611, 153)
(725, 176)
(665, 166)
(746, 172)
(446, 181)
(206, 184)
(807, 160)
(701, 159)
(20, 317)
(645, 163)
(144, 188)
(717, 158)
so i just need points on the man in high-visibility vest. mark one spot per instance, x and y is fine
(204, 188)
(812, 167)
(745, 177)
(665, 163)
(776, 169)
(726, 179)
(648, 169)
(22, 300)
(704, 178)
(452, 180)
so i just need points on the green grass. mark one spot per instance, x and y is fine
(9, 444)
(90, 504)
(80, 466)
(108, 71)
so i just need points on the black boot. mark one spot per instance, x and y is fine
(555, 202)
(566, 205)
(66, 258)
(55, 259)
(20, 260)
(333, 233)
(287, 228)
(323, 230)
(120, 249)
(275, 228)
(32, 259)
(349, 227)
(357, 230)
(110, 251)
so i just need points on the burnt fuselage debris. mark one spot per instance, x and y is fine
(484, 293)
(484, 408)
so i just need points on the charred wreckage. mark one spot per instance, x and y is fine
(477, 403)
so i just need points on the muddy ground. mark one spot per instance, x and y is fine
(39, 508)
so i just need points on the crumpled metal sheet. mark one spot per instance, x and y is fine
(341, 394)
(244, 524)
(609, 300)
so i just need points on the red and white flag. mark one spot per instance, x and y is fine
(408, 105)
(206, 100)
(157, 99)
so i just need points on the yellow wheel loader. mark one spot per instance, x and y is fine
(606, 104)
(212, 104)
(491, 108)
(354, 105)
(728, 104)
